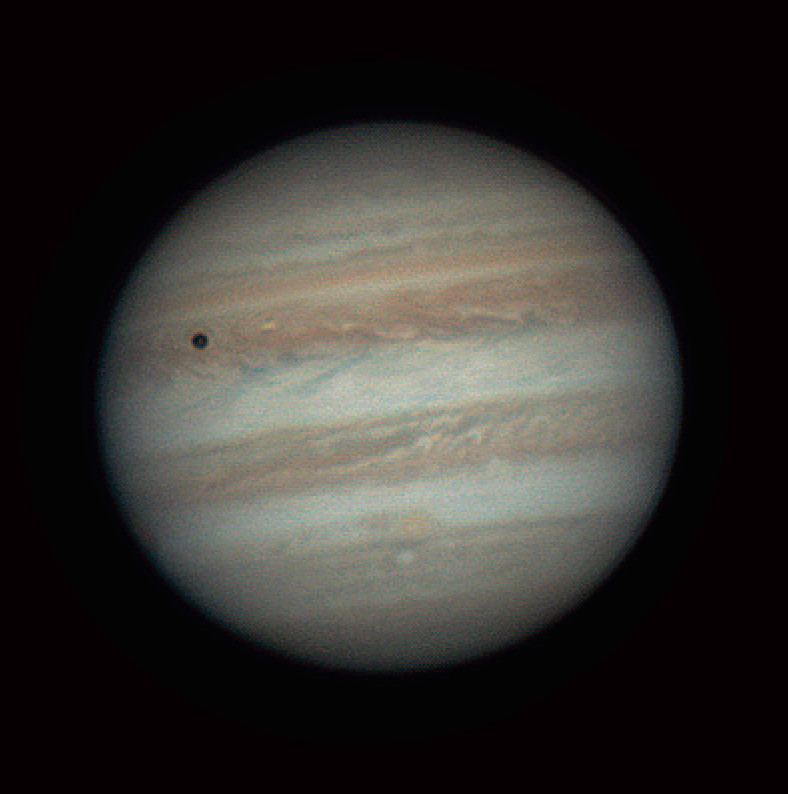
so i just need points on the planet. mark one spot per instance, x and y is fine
(389, 397)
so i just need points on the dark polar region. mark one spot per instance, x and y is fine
(444, 403)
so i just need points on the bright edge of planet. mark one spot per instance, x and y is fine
(389, 397)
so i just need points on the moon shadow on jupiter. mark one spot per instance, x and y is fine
(425, 338)
(423, 442)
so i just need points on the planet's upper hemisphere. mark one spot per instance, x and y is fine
(431, 361)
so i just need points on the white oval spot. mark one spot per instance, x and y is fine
(406, 557)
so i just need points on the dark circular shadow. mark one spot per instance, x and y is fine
(199, 341)
(142, 613)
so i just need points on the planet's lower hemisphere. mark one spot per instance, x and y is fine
(435, 406)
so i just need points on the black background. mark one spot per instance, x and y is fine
(669, 118)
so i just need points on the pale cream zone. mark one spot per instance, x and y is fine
(379, 257)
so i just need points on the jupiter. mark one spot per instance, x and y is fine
(389, 397)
